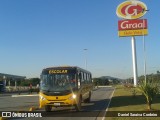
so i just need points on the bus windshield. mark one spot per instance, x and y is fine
(58, 82)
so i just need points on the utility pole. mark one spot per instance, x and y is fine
(85, 61)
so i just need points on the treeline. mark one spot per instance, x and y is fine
(104, 82)
(150, 78)
(26, 82)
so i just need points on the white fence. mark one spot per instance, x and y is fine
(18, 88)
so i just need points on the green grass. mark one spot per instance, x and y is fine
(124, 100)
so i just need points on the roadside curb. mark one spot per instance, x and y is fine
(33, 108)
(105, 86)
(2, 118)
(2, 95)
(25, 95)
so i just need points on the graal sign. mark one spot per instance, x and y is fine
(132, 9)
(132, 24)
(132, 27)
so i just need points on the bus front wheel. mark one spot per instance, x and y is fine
(78, 105)
(48, 108)
(88, 100)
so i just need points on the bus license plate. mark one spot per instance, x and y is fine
(57, 104)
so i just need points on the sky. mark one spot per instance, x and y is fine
(35, 34)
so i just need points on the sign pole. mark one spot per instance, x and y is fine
(134, 60)
(132, 10)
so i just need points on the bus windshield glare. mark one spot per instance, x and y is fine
(58, 82)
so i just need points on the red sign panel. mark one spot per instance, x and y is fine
(132, 24)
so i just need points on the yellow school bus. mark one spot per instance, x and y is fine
(64, 86)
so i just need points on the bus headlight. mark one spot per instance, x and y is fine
(42, 98)
(73, 96)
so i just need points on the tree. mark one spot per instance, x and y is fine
(34, 81)
(149, 90)
(27, 82)
(100, 81)
(96, 81)
(106, 82)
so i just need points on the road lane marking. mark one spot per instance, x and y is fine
(104, 86)
(110, 98)
(25, 95)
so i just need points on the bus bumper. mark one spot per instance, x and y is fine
(62, 101)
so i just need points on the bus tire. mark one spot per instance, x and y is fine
(88, 100)
(48, 108)
(78, 105)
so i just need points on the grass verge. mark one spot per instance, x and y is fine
(129, 100)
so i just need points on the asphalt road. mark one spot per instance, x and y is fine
(20, 103)
(90, 111)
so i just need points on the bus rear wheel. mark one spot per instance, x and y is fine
(78, 105)
(48, 108)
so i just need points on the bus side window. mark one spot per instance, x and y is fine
(83, 78)
(89, 78)
(86, 81)
(79, 79)
(80, 76)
